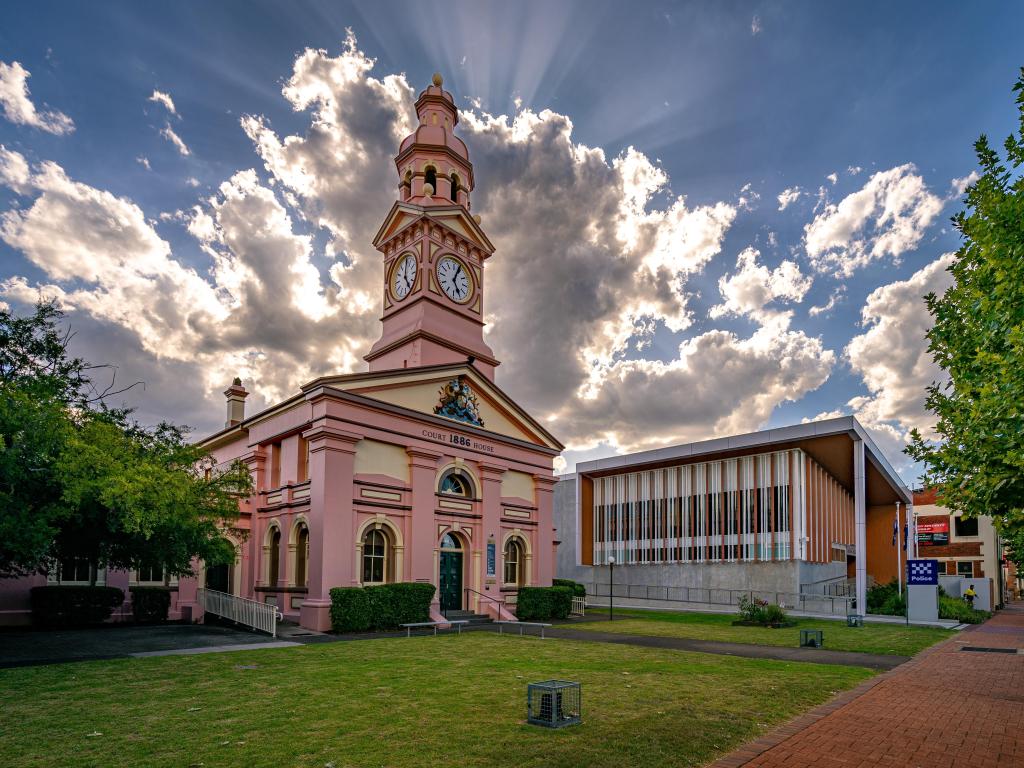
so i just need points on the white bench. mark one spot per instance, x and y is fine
(521, 624)
(435, 624)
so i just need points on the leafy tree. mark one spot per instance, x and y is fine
(81, 479)
(978, 339)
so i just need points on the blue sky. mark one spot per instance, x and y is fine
(731, 103)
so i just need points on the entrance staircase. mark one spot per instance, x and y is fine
(473, 619)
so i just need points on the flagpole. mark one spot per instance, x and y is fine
(899, 559)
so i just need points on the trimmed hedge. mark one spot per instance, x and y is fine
(958, 610)
(366, 609)
(543, 603)
(578, 590)
(150, 604)
(73, 606)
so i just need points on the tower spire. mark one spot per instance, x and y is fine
(434, 250)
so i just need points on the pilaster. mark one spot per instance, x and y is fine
(332, 454)
(544, 490)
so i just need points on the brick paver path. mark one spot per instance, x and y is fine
(946, 708)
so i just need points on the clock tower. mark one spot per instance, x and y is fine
(434, 250)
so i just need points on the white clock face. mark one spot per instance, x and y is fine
(403, 277)
(454, 279)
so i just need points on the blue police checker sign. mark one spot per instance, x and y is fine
(922, 572)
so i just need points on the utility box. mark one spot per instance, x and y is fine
(811, 638)
(553, 703)
(853, 620)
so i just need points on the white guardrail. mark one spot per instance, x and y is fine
(261, 616)
(579, 606)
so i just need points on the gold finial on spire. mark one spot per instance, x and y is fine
(437, 79)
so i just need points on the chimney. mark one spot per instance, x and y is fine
(236, 395)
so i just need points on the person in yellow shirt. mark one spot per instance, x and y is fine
(969, 595)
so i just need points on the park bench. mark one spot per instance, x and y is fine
(521, 624)
(435, 624)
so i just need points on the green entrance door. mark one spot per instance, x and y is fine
(451, 574)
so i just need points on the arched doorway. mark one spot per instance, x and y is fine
(450, 576)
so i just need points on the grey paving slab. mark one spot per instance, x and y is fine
(26, 647)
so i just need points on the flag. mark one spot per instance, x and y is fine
(895, 531)
(905, 537)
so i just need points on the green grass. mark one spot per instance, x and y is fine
(871, 638)
(403, 702)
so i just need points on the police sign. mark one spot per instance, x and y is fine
(922, 572)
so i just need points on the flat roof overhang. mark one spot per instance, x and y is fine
(829, 442)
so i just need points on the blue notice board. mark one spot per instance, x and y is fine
(922, 572)
(490, 558)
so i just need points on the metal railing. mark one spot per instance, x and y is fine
(579, 606)
(503, 604)
(260, 616)
(836, 605)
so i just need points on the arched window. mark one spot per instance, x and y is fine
(513, 562)
(455, 187)
(455, 482)
(431, 177)
(302, 556)
(450, 542)
(377, 558)
(274, 558)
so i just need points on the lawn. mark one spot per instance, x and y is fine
(871, 638)
(400, 702)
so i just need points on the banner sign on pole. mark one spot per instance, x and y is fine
(922, 572)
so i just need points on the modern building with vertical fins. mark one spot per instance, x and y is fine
(803, 515)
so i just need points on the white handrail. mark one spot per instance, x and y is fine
(579, 606)
(261, 616)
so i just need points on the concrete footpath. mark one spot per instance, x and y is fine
(959, 703)
(781, 653)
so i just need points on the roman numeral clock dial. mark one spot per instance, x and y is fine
(454, 278)
(403, 277)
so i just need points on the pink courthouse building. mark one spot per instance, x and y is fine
(420, 469)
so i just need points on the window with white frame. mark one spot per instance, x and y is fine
(77, 570)
(376, 556)
(513, 559)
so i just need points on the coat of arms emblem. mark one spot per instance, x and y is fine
(458, 402)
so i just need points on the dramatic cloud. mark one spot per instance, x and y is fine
(959, 186)
(14, 171)
(165, 99)
(789, 196)
(18, 106)
(891, 356)
(887, 217)
(168, 133)
(753, 286)
(589, 267)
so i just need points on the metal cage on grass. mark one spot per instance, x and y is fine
(553, 703)
(811, 638)
(853, 620)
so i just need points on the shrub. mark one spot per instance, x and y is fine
(578, 590)
(403, 603)
(150, 604)
(958, 610)
(885, 600)
(758, 611)
(543, 603)
(773, 614)
(350, 609)
(67, 606)
(362, 609)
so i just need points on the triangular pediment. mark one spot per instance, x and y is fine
(452, 218)
(419, 389)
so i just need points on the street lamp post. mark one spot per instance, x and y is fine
(611, 588)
